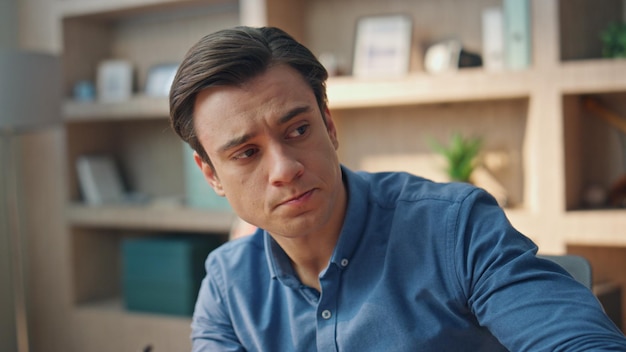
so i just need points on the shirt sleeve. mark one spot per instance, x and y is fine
(529, 304)
(211, 328)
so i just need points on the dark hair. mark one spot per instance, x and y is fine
(231, 57)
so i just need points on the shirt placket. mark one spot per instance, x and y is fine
(327, 310)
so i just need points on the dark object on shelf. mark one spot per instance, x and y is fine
(469, 59)
(163, 274)
(448, 56)
(617, 193)
(614, 40)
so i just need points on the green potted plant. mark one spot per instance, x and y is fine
(460, 155)
(614, 40)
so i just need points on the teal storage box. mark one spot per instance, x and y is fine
(163, 274)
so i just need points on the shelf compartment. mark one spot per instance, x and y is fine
(144, 32)
(398, 138)
(581, 23)
(595, 150)
(148, 153)
(97, 261)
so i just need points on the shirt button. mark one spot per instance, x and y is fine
(326, 314)
(344, 262)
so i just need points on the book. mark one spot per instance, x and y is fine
(493, 38)
(517, 34)
(99, 180)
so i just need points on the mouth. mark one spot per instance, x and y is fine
(297, 199)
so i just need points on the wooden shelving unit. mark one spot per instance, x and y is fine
(530, 121)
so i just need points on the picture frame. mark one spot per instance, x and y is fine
(159, 79)
(382, 46)
(114, 82)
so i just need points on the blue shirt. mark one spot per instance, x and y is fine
(419, 266)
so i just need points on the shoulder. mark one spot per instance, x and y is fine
(389, 188)
(238, 251)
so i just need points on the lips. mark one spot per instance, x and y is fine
(298, 198)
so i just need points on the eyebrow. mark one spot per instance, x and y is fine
(283, 120)
(293, 113)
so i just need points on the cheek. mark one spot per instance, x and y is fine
(243, 192)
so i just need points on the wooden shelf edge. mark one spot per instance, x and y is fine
(592, 76)
(138, 107)
(114, 9)
(181, 219)
(422, 88)
(595, 227)
(115, 306)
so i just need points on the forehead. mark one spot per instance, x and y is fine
(220, 112)
(278, 84)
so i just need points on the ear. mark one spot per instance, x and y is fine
(330, 127)
(209, 175)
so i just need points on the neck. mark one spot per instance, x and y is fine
(310, 257)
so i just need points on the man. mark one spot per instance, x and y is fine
(347, 261)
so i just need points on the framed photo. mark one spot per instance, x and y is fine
(382, 46)
(114, 82)
(159, 80)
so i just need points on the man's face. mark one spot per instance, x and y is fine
(273, 156)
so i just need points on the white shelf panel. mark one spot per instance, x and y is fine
(161, 218)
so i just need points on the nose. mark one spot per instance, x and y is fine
(284, 167)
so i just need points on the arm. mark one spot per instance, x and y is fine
(529, 304)
(211, 328)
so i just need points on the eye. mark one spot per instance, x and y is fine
(299, 131)
(245, 154)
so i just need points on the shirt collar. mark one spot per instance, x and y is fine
(352, 229)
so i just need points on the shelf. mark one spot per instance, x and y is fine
(596, 227)
(343, 93)
(115, 9)
(464, 85)
(165, 218)
(115, 306)
(138, 107)
(591, 76)
(348, 92)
